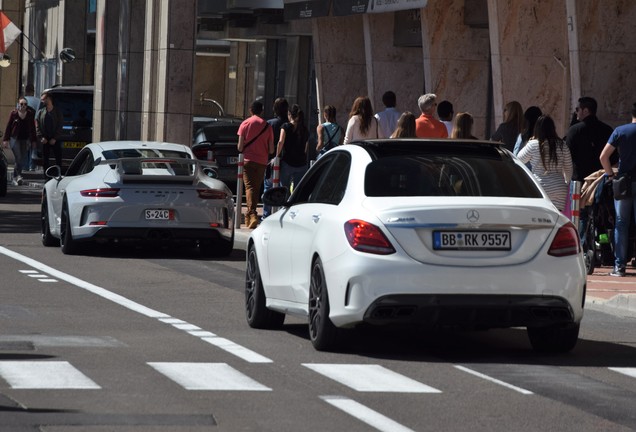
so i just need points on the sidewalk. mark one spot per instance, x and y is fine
(604, 292)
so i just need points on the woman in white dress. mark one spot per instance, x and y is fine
(551, 161)
(362, 124)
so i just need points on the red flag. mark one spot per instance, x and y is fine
(8, 34)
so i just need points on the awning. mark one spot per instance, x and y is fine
(351, 7)
(302, 9)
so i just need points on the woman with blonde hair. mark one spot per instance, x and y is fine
(405, 126)
(463, 126)
(362, 124)
(509, 130)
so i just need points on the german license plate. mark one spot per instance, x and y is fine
(74, 144)
(471, 240)
(159, 214)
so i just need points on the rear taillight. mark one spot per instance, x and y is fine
(566, 242)
(211, 194)
(100, 193)
(203, 153)
(366, 237)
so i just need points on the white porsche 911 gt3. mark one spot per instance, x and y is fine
(424, 232)
(137, 191)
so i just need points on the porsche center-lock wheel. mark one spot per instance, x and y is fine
(258, 316)
(322, 332)
(47, 237)
(554, 339)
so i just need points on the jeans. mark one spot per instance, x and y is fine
(624, 210)
(20, 148)
(267, 185)
(289, 174)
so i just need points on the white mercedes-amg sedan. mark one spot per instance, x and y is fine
(430, 233)
(136, 191)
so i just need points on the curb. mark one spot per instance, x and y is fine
(620, 304)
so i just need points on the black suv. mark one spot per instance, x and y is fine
(76, 103)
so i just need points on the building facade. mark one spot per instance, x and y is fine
(157, 63)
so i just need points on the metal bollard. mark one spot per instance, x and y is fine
(238, 213)
(575, 203)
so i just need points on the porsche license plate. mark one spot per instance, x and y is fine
(159, 214)
(74, 144)
(471, 240)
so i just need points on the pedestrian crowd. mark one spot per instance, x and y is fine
(27, 126)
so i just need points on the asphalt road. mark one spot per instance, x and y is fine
(156, 340)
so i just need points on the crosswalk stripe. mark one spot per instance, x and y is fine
(370, 378)
(496, 381)
(629, 371)
(207, 376)
(365, 414)
(44, 375)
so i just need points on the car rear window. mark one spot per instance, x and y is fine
(448, 174)
(77, 109)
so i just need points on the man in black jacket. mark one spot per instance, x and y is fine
(586, 140)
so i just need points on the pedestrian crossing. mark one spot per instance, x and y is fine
(202, 376)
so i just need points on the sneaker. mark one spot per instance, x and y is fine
(19, 180)
(617, 272)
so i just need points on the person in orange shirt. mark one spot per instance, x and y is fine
(427, 126)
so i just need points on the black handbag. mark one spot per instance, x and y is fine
(622, 187)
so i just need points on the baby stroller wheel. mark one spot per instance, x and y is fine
(589, 257)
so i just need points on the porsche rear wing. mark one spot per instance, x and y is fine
(155, 170)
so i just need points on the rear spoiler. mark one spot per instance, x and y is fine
(154, 170)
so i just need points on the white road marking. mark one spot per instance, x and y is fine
(625, 371)
(208, 376)
(47, 280)
(236, 349)
(225, 344)
(370, 378)
(27, 271)
(494, 380)
(44, 375)
(365, 414)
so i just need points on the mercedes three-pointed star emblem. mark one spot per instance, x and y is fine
(472, 216)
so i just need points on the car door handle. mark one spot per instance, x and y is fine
(292, 214)
(315, 218)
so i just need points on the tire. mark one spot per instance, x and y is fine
(322, 333)
(225, 247)
(256, 313)
(47, 238)
(3, 185)
(554, 339)
(68, 244)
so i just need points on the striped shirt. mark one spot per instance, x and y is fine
(555, 179)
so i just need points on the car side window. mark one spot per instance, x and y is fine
(77, 166)
(312, 179)
(333, 183)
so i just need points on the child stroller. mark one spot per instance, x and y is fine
(597, 237)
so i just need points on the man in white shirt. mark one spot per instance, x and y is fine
(387, 119)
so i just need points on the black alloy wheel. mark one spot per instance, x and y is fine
(554, 339)
(69, 245)
(322, 333)
(47, 238)
(256, 313)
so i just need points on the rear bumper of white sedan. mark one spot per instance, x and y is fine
(395, 289)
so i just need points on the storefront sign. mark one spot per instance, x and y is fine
(351, 7)
(303, 9)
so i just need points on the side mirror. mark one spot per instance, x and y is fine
(276, 197)
(54, 172)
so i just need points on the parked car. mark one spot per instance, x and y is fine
(76, 103)
(218, 140)
(431, 233)
(137, 191)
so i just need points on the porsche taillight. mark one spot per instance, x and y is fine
(566, 242)
(100, 193)
(211, 194)
(366, 237)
